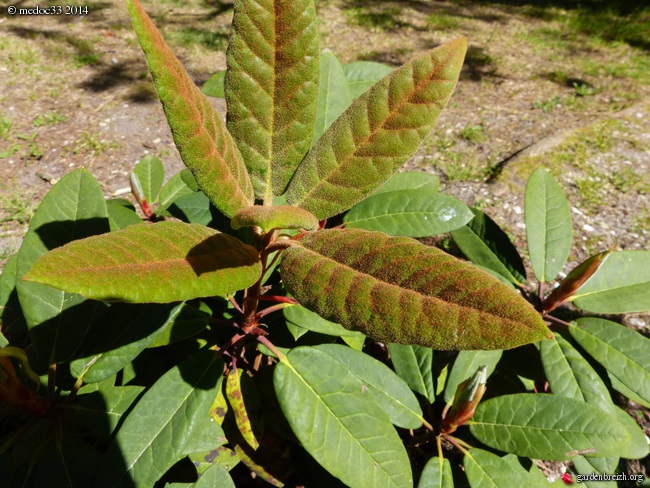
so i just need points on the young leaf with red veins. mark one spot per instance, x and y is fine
(271, 88)
(159, 263)
(205, 145)
(395, 289)
(278, 217)
(378, 133)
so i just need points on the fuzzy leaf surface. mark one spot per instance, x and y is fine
(73, 209)
(163, 262)
(362, 75)
(334, 96)
(413, 364)
(466, 365)
(205, 145)
(350, 424)
(547, 427)
(165, 424)
(377, 134)
(484, 243)
(395, 289)
(276, 217)
(271, 87)
(411, 213)
(436, 474)
(620, 285)
(391, 392)
(623, 352)
(548, 225)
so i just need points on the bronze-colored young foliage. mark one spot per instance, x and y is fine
(395, 289)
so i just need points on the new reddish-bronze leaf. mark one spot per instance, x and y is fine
(205, 145)
(271, 87)
(378, 133)
(164, 262)
(395, 289)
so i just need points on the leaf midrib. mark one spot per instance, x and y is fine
(343, 426)
(325, 178)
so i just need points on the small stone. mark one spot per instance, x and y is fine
(520, 225)
(122, 191)
(517, 209)
(157, 140)
(587, 228)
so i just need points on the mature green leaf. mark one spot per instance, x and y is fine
(215, 476)
(621, 285)
(276, 217)
(214, 86)
(193, 208)
(607, 465)
(395, 289)
(623, 352)
(164, 424)
(484, 469)
(205, 145)
(309, 320)
(349, 422)
(12, 320)
(175, 188)
(413, 213)
(638, 447)
(271, 87)
(116, 338)
(100, 411)
(631, 394)
(391, 392)
(120, 216)
(548, 225)
(436, 474)
(163, 262)
(466, 365)
(547, 427)
(334, 96)
(73, 209)
(571, 375)
(533, 478)
(151, 174)
(184, 321)
(68, 463)
(378, 133)
(413, 364)
(413, 180)
(362, 75)
(484, 243)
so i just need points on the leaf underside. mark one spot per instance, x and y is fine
(164, 262)
(395, 289)
(378, 133)
(271, 87)
(203, 142)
